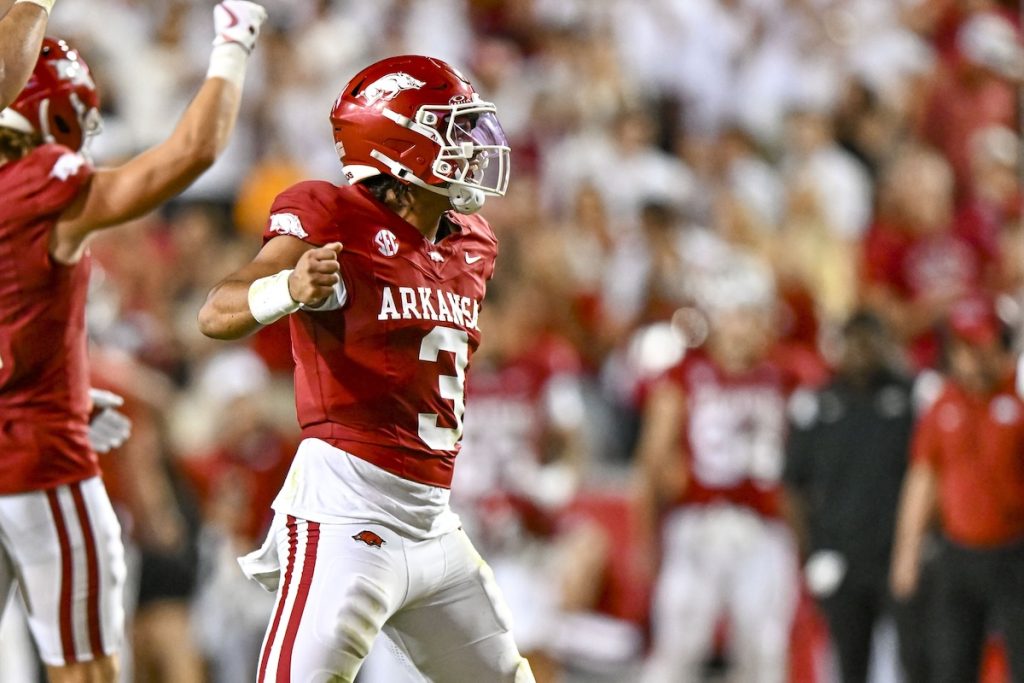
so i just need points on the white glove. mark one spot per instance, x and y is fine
(47, 5)
(108, 428)
(238, 22)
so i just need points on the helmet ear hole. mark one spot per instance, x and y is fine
(62, 125)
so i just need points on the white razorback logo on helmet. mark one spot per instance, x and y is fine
(386, 242)
(70, 70)
(387, 87)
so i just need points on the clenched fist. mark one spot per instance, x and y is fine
(316, 275)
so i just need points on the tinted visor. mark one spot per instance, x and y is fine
(475, 152)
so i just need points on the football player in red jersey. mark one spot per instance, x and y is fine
(59, 539)
(22, 24)
(710, 456)
(382, 334)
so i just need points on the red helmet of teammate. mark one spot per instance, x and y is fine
(419, 120)
(60, 102)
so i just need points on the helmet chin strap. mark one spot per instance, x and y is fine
(465, 200)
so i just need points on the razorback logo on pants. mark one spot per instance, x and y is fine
(369, 538)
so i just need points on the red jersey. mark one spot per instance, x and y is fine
(44, 376)
(734, 433)
(975, 445)
(920, 266)
(514, 405)
(383, 377)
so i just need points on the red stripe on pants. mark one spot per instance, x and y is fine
(93, 571)
(293, 542)
(284, 664)
(67, 638)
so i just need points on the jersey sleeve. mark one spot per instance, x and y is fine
(306, 211)
(53, 176)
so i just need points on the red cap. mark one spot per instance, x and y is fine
(975, 321)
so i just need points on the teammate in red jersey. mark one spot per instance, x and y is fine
(59, 539)
(382, 334)
(710, 458)
(22, 25)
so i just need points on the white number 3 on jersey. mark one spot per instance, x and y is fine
(452, 388)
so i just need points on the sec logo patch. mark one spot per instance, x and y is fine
(387, 243)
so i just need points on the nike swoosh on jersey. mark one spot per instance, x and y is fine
(472, 259)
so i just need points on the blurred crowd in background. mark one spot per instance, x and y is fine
(863, 153)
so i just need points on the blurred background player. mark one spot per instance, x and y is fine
(522, 459)
(711, 454)
(831, 469)
(383, 279)
(966, 467)
(22, 26)
(61, 542)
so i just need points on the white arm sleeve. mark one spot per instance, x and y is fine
(335, 301)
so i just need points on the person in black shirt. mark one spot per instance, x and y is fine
(847, 454)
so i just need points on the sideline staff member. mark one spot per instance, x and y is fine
(22, 25)
(968, 458)
(832, 469)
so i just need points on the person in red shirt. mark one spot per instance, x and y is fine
(383, 280)
(522, 462)
(994, 200)
(710, 460)
(973, 87)
(914, 264)
(59, 539)
(967, 464)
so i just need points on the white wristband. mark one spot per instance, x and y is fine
(47, 5)
(228, 61)
(269, 298)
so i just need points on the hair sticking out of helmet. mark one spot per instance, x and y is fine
(60, 102)
(419, 120)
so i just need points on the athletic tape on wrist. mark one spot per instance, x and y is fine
(269, 298)
(228, 61)
(47, 5)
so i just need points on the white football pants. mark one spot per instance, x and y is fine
(723, 561)
(62, 547)
(341, 584)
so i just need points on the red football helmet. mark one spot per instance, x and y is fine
(419, 120)
(60, 101)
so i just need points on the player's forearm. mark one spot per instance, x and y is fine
(286, 274)
(917, 505)
(202, 133)
(226, 314)
(21, 33)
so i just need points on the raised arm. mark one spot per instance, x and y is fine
(22, 26)
(286, 274)
(115, 195)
